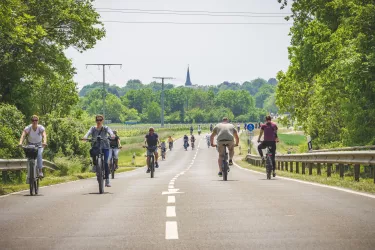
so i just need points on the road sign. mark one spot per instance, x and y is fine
(250, 127)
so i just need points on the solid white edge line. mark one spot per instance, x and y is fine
(313, 183)
(171, 199)
(171, 230)
(171, 211)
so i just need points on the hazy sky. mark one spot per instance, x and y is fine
(215, 53)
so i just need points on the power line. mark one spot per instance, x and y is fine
(185, 14)
(147, 22)
(199, 11)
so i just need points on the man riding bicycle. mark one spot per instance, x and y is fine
(102, 132)
(186, 141)
(35, 135)
(270, 138)
(114, 148)
(170, 142)
(226, 133)
(152, 140)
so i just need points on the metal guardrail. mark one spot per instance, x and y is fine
(19, 164)
(370, 147)
(322, 159)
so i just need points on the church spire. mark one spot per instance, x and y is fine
(188, 82)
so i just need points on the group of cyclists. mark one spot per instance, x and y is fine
(224, 132)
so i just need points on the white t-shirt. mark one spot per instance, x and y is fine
(34, 136)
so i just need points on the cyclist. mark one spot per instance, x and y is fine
(103, 132)
(192, 140)
(163, 148)
(238, 127)
(208, 135)
(152, 140)
(186, 142)
(191, 129)
(211, 127)
(269, 129)
(226, 133)
(170, 142)
(36, 135)
(199, 129)
(114, 148)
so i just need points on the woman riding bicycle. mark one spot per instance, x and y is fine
(170, 142)
(103, 132)
(35, 135)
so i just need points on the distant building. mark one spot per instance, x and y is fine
(188, 81)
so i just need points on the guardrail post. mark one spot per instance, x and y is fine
(286, 166)
(282, 166)
(278, 165)
(4, 176)
(310, 165)
(291, 167)
(303, 167)
(329, 169)
(341, 166)
(319, 169)
(356, 172)
(337, 168)
(297, 167)
(18, 175)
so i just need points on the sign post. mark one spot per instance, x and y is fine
(309, 143)
(250, 128)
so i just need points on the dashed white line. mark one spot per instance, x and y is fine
(171, 231)
(171, 211)
(170, 186)
(171, 199)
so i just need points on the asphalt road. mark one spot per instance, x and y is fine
(186, 206)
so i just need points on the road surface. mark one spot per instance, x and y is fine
(186, 206)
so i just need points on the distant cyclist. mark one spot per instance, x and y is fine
(152, 140)
(170, 142)
(211, 127)
(208, 135)
(238, 127)
(36, 135)
(163, 149)
(103, 132)
(186, 142)
(199, 129)
(226, 134)
(114, 148)
(270, 138)
(191, 129)
(192, 140)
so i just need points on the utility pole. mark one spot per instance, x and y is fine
(103, 65)
(162, 96)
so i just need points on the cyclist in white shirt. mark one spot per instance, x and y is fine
(36, 135)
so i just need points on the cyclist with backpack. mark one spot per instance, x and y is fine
(115, 145)
(103, 132)
(36, 135)
(269, 129)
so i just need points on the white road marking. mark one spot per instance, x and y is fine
(171, 211)
(171, 231)
(314, 184)
(170, 186)
(171, 199)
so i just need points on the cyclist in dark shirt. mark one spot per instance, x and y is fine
(152, 140)
(270, 138)
(114, 148)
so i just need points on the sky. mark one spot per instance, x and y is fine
(214, 52)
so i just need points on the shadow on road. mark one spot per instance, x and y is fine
(98, 193)
(226, 180)
(268, 180)
(32, 195)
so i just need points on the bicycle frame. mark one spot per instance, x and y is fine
(224, 166)
(32, 173)
(151, 159)
(269, 166)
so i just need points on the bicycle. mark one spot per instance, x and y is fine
(151, 162)
(192, 145)
(170, 146)
(225, 165)
(186, 145)
(112, 167)
(268, 162)
(98, 158)
(31, 152)
(163, 153)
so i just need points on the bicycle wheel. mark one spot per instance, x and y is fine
(268, 167)
(99, 174)
(31, 177)
(225, 170)
(152, 166)
(36, 186)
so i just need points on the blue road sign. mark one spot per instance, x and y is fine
(250, 127)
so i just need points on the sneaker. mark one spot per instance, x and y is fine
(274, 173)
(230, 162)
(220, 174)
(41, 173)
(107, 184)
(148, 171)
(156, 165)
